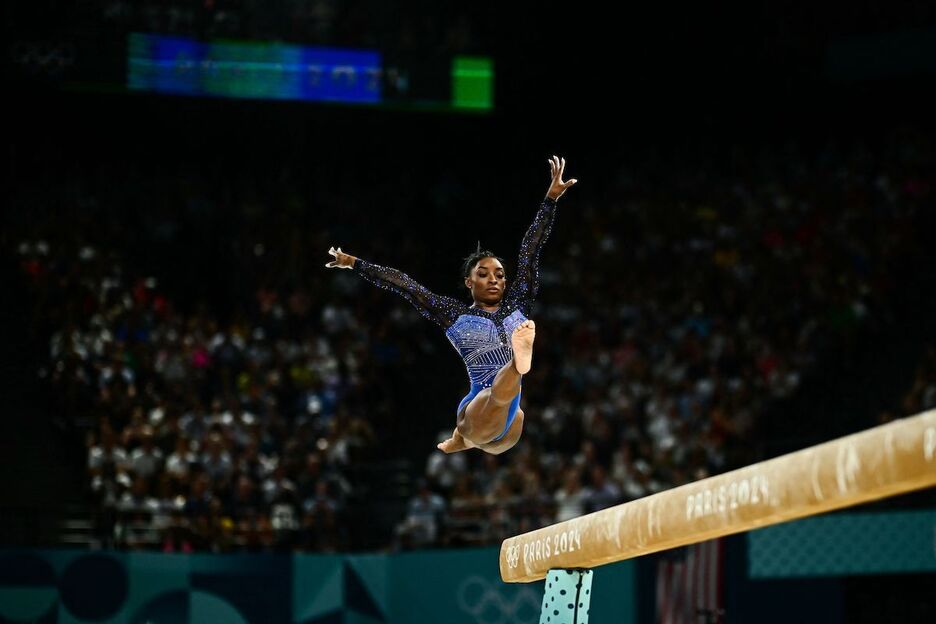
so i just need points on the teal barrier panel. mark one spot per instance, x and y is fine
(845, 544)
(464, 587)
(76, 587)
(451, 586)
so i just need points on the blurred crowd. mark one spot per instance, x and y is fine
(920, 395)
(681, 300)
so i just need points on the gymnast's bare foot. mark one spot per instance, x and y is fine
(456, 443)
(522, 341)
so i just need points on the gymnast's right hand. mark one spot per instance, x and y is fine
(341, 261)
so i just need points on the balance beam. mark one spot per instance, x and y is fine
(877, 463)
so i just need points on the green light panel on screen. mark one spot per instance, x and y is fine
(473, 82)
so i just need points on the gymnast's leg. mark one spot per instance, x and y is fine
(509, 440)
(484, 418)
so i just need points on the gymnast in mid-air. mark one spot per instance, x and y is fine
(494, 335)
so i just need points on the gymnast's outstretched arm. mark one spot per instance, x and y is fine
(526, 282)
(438, 308)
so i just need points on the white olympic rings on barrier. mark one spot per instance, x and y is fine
(484, 601)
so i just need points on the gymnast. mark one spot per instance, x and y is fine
(493, 335)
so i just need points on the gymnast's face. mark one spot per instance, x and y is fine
(487, 282)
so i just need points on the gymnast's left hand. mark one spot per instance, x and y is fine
(557, 187)
(341, 261)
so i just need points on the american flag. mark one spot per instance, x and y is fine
(689, 584)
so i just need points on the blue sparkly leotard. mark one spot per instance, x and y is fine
(481, 338)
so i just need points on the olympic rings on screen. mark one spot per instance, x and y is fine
(44, 57)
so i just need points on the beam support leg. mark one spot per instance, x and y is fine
(567, 598)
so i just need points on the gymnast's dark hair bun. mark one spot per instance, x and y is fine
(476, 257)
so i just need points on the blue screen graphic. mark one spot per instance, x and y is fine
(253, 70)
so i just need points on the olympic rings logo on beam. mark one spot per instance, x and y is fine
(513, 556)
(484, 602)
